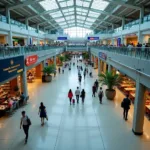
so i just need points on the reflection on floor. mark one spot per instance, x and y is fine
(90, 126)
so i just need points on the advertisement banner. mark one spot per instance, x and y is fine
(30, 60)
(93, 38)
(102, 56)
(10, 67)
(119, 42)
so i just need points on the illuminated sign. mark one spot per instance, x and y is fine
(10, 67)
(93, 38)
(61, 38)
(30, 60)
(102, 56)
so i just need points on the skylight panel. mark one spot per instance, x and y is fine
(93, 14)
(89, 19)
(70, 3)
(65, 10)
(99, 4)
(56, 14)
(86, 4)
(60, 20)
(88, 23)
(81, 17)
(49, 4)
(63, 4)
(79, 3)
(69, 17)
(69, 13)
(71, 21)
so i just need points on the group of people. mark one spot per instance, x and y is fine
(78, 94)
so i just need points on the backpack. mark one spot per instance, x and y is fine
(28, 121)
(100, 94)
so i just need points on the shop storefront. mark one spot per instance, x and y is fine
(103, 64)
(18, 41)
(128, 87)
(2, 39)
(132, 40)
(11, 84)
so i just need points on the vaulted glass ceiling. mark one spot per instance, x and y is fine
(71, 13)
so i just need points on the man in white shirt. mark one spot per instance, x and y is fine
(24, 124)
(77, 93)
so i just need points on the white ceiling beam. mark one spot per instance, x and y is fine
(86, 8)
(25, 3)
(75, 11)
(118, 2)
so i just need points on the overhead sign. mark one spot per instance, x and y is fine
(61, 38)
(102, 56)
(93, 38)
(10, 67)
(30, 60)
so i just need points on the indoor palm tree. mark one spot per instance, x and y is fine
(110, 80)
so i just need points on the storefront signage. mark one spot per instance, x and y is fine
(93, 38)
(102, 56)
(61, 38)
(10, 67)
(30, 60)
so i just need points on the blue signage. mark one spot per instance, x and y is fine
(102, 56)
(10, 67)
(93, 38)
(119, 42)
(61, 38)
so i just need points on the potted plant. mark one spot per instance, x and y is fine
(110, 80)
(85, 56)
(48, 71)
(61, 58)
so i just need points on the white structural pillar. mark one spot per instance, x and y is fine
(10, 41)
(109, 68)
(24, 82)
(27, 23)
(141, 14)
(123, 23)
(94, 61)
(139, 109)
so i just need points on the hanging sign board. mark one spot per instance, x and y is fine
(30, 60)
(61, 38)
(10, 67)
(93, 38)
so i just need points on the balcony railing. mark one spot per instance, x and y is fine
(138, 52)
(22, 50)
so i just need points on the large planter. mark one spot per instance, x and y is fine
(48, 78)
(110, 94)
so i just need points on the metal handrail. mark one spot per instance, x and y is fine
(138, 52)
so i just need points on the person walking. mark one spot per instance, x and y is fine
(59, 69)
(42, 112)
(25, 123)
(84, 74)
(77, 93)
(100, 95)
(70, 95)
(93, 90)
(82, 95)
(80, 78)
(96, 84)
(126, 106)
(63, 70)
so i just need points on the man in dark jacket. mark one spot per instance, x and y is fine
(126, 106)
(93, 90)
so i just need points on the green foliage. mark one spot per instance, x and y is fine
(61, 58)
(67, 57)
(49, 70)
(85, 56)
(110, 79)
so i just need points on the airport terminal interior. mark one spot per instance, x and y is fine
(74, 74)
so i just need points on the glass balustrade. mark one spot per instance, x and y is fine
(142, 52)
(16, 51)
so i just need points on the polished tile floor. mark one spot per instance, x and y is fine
(80, 127)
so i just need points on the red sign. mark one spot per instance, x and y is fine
(30, 60)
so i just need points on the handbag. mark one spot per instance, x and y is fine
(122, 104)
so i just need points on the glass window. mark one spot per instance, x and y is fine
(49, 4)
(99, 4)
(77, 31)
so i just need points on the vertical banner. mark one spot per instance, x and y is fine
(30, 41)
(119, 42)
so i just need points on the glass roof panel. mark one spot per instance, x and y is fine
(65, 13)
(49, 4)
(99, 4)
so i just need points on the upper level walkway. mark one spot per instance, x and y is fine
(6, 52)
